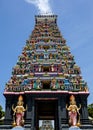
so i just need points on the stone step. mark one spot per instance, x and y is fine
(9, 127)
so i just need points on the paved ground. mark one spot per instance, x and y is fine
(8, 127)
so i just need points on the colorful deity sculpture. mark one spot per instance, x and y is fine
(54, 84)
(18, 115)
(37, 84)
(52, 68)
(74, 115)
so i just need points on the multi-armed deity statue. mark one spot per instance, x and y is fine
(74, 115)
(18, 115)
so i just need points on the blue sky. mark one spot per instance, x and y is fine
(75, 21)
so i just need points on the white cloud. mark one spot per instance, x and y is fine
(43, 6)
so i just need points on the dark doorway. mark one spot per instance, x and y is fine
(46, 84)
(46, 68)
(46, 109)
(46, 47)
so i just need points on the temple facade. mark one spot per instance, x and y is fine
(46, 75)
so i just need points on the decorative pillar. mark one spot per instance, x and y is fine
(8, 111)
(59, 113)
(29, 109)
(62, 111)
(84, 111)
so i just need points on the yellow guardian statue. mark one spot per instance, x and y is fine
(73, 112)
(18, 115)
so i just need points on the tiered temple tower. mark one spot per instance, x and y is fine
(46, 75)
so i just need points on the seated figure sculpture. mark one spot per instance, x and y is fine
(18, 115)
(54, 84)
(73, 112)
(37, 84)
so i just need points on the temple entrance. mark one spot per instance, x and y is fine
(46, 110)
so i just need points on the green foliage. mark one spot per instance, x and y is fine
(2, 113)
(90, 110)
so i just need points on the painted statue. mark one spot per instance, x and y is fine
(54, 84)
(18, 115)
(37, 84)
(73, 112)
(52, 68)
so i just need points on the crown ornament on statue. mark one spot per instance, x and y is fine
(72, 97)
(20, 98)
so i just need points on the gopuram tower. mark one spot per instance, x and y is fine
(47, 77)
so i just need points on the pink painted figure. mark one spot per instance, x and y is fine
(19, 112)
(52, 68)
(73, 112)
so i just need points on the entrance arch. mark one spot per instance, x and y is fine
(46, 109)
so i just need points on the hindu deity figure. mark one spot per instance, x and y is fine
(52, 67)
(55, 84)
(40, 68)
(18, 115)
(74, 115)
(37, 84)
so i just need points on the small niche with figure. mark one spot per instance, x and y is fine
(46, 47)
(46, 68)
(46, 84)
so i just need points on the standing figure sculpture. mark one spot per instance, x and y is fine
(74, 115)
(18, 115)
(53, 83)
